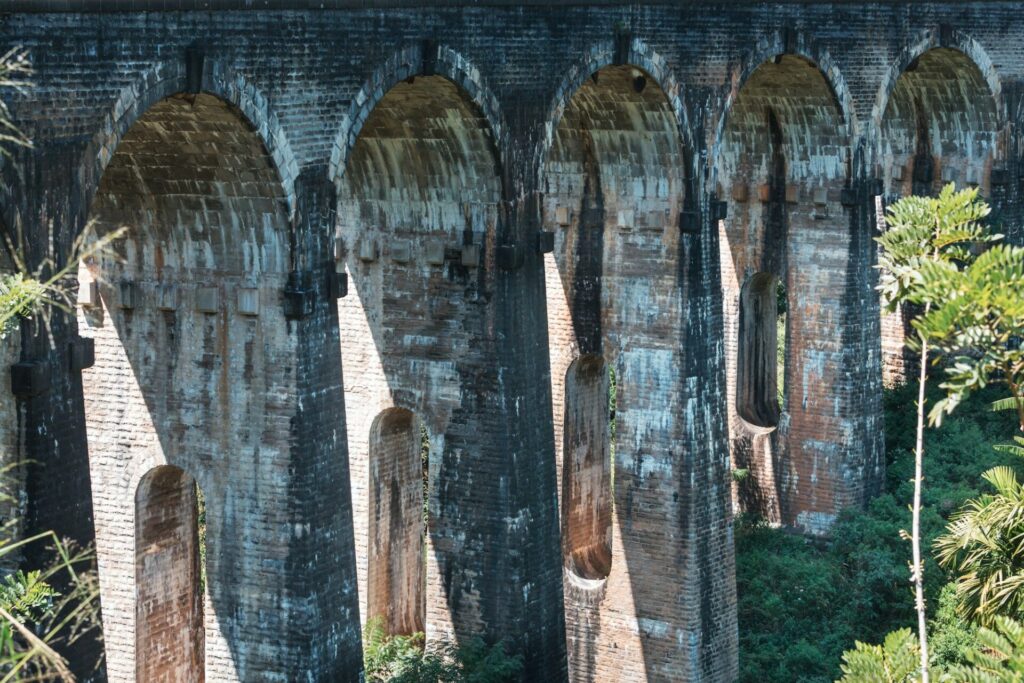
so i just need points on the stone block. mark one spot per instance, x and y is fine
(248, 301)
(207, 300)
(88, 294)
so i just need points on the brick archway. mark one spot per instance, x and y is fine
(193, 361)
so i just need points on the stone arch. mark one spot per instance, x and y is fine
(603, 54)
(193, 356)
(615, 181)
(409, 63)
(770, 49)
(417, 223)
(165, 79)
(782, 163)
(975, 58)
(938, 119)
(169, 624)
(396, 553)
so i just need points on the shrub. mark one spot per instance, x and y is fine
(403, 659)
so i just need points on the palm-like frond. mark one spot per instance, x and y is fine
(984, 544)
(999, 657)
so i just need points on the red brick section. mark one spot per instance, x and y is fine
(939, 126)
(615, 184)
(169, 632)
(586, 470)
(395, 553)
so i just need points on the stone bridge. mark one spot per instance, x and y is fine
(387, 267)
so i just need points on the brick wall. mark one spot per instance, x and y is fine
(254, 406)
(615, 185)
(783, 164)
(194, 369)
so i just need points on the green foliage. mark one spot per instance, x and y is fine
(780, 357)
(979, 322)
(999, 657)
(37, 620)
(403, 659)
(895, 661)
(386, 656)
(984, 545)
(951, 637)
(933, 234)
(19, 297)
(26, 596)
(802, 603)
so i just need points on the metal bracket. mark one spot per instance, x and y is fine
(545, 241)
(509, 257)
(82, 354)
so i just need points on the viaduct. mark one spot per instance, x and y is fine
(462, 314)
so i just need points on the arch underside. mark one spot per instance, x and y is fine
(193, 369)
(940, 126)
(616, 191)
(417, 221)
(783, 163)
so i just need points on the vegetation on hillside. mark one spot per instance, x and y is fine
(803, 602)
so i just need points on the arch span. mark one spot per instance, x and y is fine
(418, 204)
(784, 160)
(939, 122)
(166, 79)
(616, 186)
(412, 62)
(194, 363)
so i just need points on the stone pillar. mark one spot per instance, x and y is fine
(320, 573)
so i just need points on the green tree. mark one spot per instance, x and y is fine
(926, 235)
(897, 660)
(984, 544)
(999, 657)
(979, 323)
(404, 659)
